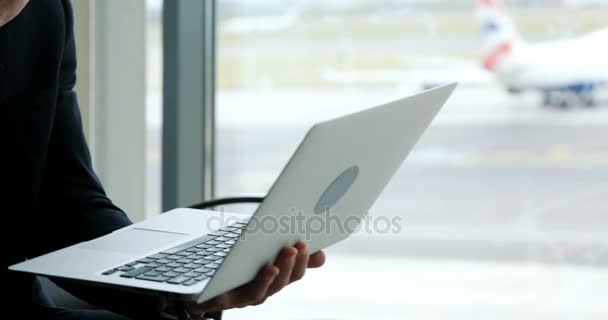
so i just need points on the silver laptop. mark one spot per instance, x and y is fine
(331, 181)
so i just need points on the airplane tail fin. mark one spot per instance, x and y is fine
(500, 36)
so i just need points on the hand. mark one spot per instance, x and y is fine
(290, 266)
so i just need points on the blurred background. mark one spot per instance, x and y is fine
(503, 201)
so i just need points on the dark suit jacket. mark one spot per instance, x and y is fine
(51, 198)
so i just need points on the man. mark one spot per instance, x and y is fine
(52, 198)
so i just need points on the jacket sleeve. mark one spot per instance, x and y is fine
(74, 202)
(71, 190)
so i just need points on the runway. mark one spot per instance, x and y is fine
(490, 167)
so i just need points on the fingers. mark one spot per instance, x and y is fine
(252, 293)
(301, 263)
(285, 262)
(256, 291)
(317, 259)
(290, 266)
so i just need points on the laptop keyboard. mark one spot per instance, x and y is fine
(185, 264)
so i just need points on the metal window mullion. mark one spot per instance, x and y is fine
(209, 40)
(188, 102)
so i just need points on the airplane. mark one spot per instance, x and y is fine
(566, 72)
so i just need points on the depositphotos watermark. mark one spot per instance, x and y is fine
(309, 225)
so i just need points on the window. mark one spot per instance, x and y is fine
(154, 67)
(503, 199)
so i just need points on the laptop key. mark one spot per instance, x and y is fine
(174, 265)
(222, 239)
(204, 246)
(210, 273)
(157, 256)
(173, 257)
(184, 253)
(159, 278)
(232, 235)
(212, 257)
(192, 274)
(145, 260)
(171, 274)
(201, 277)
(181, 270)
(172, 251)
(163, 261)
(136, 272)
(184, 261)
(212, 265)
(203, 261)
(178, 280)
(202, 270)
(152, 273)
(154, 265)
(163, 269)
(214, 249)
(213, 242)
(220, 254)
(193, 265)
(218, 233)
(109, 272)
(190, 282)
(125, 268)
(223, 246)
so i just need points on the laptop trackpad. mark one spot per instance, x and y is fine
(134, 241)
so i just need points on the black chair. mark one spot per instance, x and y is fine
(225, 201)
(61, 298)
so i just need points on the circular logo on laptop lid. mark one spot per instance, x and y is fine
(337, 189)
